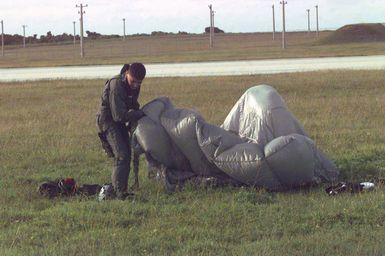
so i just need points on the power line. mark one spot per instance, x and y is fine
(124, 29)
(273, 22)
(74, 22)
(316, 11)
(24, 26)
(81, 12)
(2, 38)
(211, 26)
(308, 21)
(213, 13)
(283, 24)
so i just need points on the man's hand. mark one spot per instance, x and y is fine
(135, 115)
(139, 114)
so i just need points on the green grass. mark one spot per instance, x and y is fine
(182, 48)
(48, 131)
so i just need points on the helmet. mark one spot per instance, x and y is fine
(67, 186)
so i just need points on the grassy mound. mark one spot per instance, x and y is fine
(368, 32)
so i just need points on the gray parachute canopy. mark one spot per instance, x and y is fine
(259, 144)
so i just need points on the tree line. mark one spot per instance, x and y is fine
(50, 38)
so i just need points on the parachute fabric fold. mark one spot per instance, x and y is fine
(260, 143)
(262, 115)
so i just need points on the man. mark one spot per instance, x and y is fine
(118, 112)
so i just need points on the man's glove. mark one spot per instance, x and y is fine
(135, 115)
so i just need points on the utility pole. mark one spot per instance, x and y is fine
(124, 29)
(316, 14)
(74, 22)
(24, 35)
(2, 38)
(81, 12)
(308, 21)
(211, 25)
(273, 22)
(283, 24)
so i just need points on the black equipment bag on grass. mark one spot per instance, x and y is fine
(67, 187)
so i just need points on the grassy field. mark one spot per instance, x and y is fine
(182, 48)
(48, 131)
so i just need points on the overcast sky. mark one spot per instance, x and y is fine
(145, 16)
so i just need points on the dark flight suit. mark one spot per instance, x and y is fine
(119, 106)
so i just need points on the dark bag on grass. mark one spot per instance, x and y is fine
(62, 187)
(49, 188)
(89, 189)
(67, 187)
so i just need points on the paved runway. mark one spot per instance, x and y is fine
(218, 68)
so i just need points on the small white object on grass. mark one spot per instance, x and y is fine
(366, 186)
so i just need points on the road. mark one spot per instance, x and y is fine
(219, 68)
